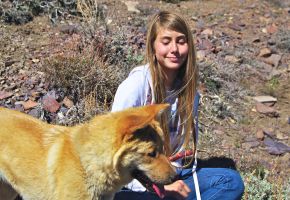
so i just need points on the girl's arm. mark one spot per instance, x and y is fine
(128, 93)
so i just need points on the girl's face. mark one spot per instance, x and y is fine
(171, 49)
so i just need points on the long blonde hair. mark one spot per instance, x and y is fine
(188, 74)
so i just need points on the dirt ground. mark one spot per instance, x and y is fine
(243, 49)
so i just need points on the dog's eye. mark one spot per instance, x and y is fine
(152, 154)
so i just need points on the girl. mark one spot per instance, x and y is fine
(171, 76)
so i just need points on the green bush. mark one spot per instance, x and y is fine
(258, 187)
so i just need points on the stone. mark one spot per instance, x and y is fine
(50, 104)
(269, 111)
(233, 59)
(265, 52)
(29, 104)
(131, 6)
(67, 102)
(276, 148)
(260, 134)
(265, 99)
(273, 60)
(5, 95)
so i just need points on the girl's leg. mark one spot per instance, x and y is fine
(215, 183)
(130, 195)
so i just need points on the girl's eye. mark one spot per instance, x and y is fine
(181, 41)
(165, 42)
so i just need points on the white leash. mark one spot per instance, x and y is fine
(194, 174)
(195, 179)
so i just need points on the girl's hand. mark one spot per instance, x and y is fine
(178, 190)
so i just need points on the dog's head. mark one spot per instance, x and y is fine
(140, 148)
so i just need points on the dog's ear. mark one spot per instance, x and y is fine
(136, 118)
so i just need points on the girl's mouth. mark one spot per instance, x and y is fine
(174, 59)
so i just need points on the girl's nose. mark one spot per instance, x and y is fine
(174, 47)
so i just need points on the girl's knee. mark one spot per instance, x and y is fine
(230, 182)
(228, 179)
(237, 182)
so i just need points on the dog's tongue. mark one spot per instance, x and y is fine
(159, 190)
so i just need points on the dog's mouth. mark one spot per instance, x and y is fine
(146, 182)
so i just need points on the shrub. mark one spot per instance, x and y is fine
(80, 70)
(257, 186)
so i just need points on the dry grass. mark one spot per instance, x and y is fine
(80, 70)
(88, 66)
(93, 15)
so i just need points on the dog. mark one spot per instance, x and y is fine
(88, 161)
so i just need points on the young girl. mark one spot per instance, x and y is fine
(171, 76)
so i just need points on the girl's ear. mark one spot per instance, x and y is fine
(133, 119)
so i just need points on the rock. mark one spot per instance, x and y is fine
(273, 60)
(5, 95)
(235, 27)
(194, 18)
(19, 108)
(67, 102)
(204, 44)
(253, 144)
(29, 104)
(276, 148)
(269, 111)
(265, 99)
(250, 143)
(131, 6)
(272, 29)
(35, 60)
(256, 40)
(9, 63)
(260, 134)
(200, 55)
(207, 31)
(233, 59)
(269, 132)
(281, 136)
(265, 52)
(35, 112)
(50, 104)
(270, 104)
(35, 94)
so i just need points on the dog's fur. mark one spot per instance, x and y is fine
(88, 161)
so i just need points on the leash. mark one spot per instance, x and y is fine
(195, 179)
(183, 154)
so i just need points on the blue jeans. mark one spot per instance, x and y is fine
(214, 183)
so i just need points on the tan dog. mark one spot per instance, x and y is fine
(87, 161)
